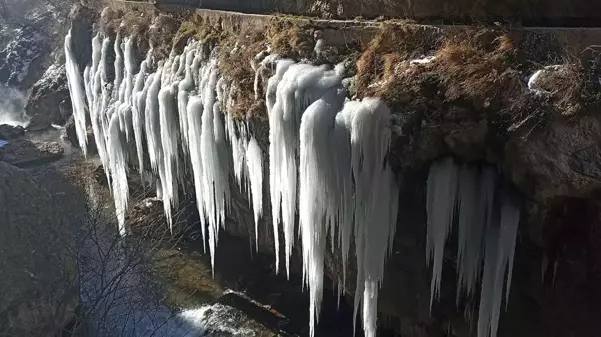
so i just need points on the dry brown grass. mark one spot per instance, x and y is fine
(393, 44)
(290, 40)
(137, 26)
(235, 62)
(480, 66)
(110, 21)
(191, 27)
(475, 66)
(160, 36)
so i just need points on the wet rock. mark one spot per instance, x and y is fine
(33, 260)
(8, 132)
(23, 152)
(49, 101)
(226, 321)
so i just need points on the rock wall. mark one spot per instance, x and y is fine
(37, 298)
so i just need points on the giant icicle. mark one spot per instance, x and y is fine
(487, 225)
(169, 140)
(299, 87)
(254, 162)
(376, 201)
(317, 186)
(442, 191)
(342, 183)
(77, 92)
(215, 164)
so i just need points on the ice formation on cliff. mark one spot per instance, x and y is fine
(327, 163)
(487, 217)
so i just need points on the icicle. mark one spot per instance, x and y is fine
(77, 91)
(118, 169)
(254, 162)
(500, 246)
(238, 146)
(486, 237)
(472, 199)
(442, 191)
(317, 185)
(139, 94)
(215, 164)
(118, 70)
(185, 87)
(169, 142)
(376, 200)
(152, 124)
(130, 69)
(300, 85)
(194, 110)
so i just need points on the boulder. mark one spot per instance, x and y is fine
(562, 160)
(8, 132)
(39, 293)
(22, 152)
(49, 101)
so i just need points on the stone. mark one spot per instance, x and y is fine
(71, 135)
(33, 259)
(49, 101)
(562, 160)
(8, 132)
(22, 152)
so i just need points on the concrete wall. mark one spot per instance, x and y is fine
(572, 41)
(573, 13)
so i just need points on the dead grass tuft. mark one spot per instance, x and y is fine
(136, 25)
(110, 21)
(392, 45)
(289, 40)
(478, 65)
(236, 62)
(194, 28)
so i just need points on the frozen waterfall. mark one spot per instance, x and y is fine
(328, 156)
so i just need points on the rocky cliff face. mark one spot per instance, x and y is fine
(31, 41)
(35, 299)
(49, 102)
(471, 99)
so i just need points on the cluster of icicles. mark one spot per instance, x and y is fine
(327, 155)
(327, 164)
(487, 218)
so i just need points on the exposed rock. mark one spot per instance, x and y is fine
(49, 101)
(36, 298)
(23, 152)
(561, 161)
(23, 52)
(8, 132)
(71, 135)
(82, 19)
